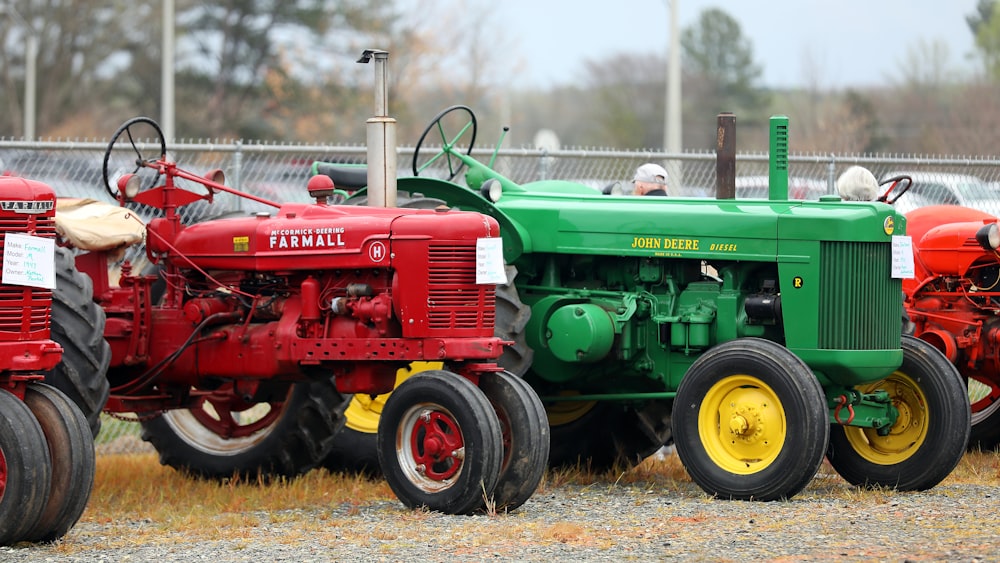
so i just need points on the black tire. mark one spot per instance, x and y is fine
(440, 444)
(928, 439)
(984, 394)
(597, 435)
(25, 470)
(750, 421)
(71, 450)
(296, 435)
(511, 317)
(355, 447)
(78, 326)
(525, 431)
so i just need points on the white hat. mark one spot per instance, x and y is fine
(648, 173)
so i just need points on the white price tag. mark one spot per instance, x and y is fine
(29, 260)
(489, 261)
(902, 257)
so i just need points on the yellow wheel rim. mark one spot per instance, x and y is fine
(742, 424)
(364, 411)
(565, 412)
(906, 435)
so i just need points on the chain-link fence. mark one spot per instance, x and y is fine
(281, 173)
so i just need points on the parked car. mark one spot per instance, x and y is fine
(799, 187)
(940, 188)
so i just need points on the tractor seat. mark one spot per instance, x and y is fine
(93, 225)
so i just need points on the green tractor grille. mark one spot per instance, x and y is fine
(860, 303)
(454, 299)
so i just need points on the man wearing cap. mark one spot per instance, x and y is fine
(650, 179)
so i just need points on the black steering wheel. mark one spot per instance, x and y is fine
(140, 161)
(904, 181)
(451, 118)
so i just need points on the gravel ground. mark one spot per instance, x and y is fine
(830, 520)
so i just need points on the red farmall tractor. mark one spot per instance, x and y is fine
(46, 445)
(953, 302)
(267, 322)
(239, 351)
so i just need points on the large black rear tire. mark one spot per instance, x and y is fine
(78, 326)
(295, 435)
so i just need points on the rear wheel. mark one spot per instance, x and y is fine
(440, 443)
(984, 396)
(598, 435)
(525, 432)
(928, 438)
(71, 449)
(224, 436)
(78, 326)
(750, 421)
(25, 469)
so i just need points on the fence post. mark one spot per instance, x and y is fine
(831, 175)
(238, 172)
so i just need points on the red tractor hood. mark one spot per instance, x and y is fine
(944, 239)
(315, 237)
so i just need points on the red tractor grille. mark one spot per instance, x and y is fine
(454, 299)
(24, 311)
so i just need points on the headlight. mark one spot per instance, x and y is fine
(491, 190)
(129, 185)
(988, 236)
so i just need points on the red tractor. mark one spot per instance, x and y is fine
(239, 350)
(46, 444)
(953, 302)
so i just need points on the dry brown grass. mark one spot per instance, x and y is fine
(135, 500)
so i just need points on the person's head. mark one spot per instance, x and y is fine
(857, 184)
(650, 177)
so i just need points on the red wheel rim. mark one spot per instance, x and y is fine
(437, 445)
(227, 407)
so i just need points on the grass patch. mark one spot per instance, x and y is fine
(135, 500)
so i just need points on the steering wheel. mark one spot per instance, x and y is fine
(455, 121)
(140, 161)
(902, 180)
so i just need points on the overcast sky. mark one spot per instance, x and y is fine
(850, 42)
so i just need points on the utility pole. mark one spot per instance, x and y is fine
(167, 73)
(672, 115)
(30, 70)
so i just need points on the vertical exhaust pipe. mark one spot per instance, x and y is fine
(777, 179)
(725, 156)
(381, 136)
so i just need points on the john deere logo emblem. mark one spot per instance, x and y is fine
(889, 225)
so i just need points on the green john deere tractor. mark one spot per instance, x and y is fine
(760, 335)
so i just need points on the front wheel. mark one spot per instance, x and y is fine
(928, 438)
(71, 449)
(440, 444)
(525, 431)
(223, 435)
(750, 421)
(25, 469)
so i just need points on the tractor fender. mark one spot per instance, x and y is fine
(516, 240)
